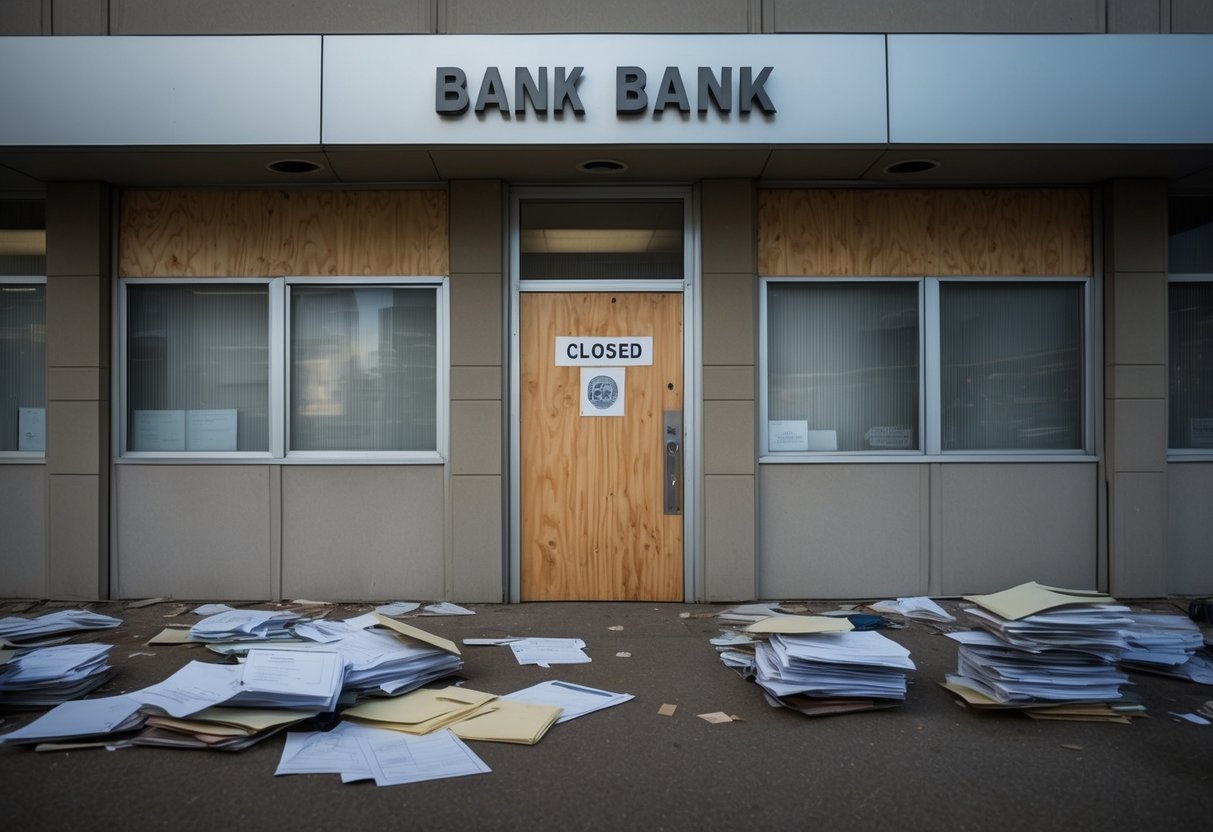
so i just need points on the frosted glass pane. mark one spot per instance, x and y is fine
(843, 358)
(1190, 365)
(363, 368)
(1011, 358)
(195, 353)
(22, 357)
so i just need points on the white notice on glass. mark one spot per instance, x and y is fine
(31, 429)
(210, 430)
(158, 430)
(602, 391)
(788, 435)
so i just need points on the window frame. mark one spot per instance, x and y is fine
(930, 378)
(16, 456)
(1182, 454)
(279, 451)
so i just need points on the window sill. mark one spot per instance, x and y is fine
(229, 459)
(920, 459)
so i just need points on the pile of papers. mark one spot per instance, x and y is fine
(1039, 646)
(46, 676)
(15, 630)
(819, 665)
(919, 607)
(218, 728)
(244, 625)
(1171, 645)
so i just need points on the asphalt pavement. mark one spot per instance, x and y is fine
(930, 764)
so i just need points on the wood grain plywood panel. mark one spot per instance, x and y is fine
(272, 233)
(593, 525)
(921, 232)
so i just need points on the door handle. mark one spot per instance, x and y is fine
(672, 464)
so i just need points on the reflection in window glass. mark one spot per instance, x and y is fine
(22, 367)
(197, 367)
(1190, 365)
(1011, 365)
(601, 240)
(843, 367)
(363, 371)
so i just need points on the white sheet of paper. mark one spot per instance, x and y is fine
(397, 758)
(210, 430)
(330, 752)
(446, 608)
(574, 700)
(194, 687)
(397, 608)
(79, 718)
(549, 651)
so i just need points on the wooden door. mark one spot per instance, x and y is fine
(594, 522)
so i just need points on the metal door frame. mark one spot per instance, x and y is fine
(689, 288)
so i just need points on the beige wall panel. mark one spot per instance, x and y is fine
(735, 383)
(197, 532)
(476, 437)
(77, 229)
(76, 384)
(21, 18)
(269, 233)
(476, 383)
(1140, 435)
(1138, 556)
(477, 541)
(1136, 16)
(1004, 524)
(841, 531)
(1191, 16)
(962, 16)
(270, 17)
(476, 226)
(76, 309)
(23, 541)
(728, 437)
(1136, 381)
(74, 436)
(363, 532)
(74, 544)
(81, 17)
(1136, 210)
(1139, 319)
(727, 232)
(476, 319)
(1189, 529)
(661, 16)
(918, 232)
(729, 536)
(728, 314)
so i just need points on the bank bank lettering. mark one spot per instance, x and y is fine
(634, 96)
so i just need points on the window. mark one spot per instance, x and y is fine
(1190, 325)
(924, 366)
(284, 367)
(22, 328)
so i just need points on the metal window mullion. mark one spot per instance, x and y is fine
(931, 371)
(278, 332)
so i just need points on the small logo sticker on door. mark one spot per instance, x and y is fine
(602, 391)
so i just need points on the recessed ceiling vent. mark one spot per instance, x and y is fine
(293, 166)
(912, 166)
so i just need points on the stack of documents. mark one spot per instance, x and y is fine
(80, 719)
(1040, 645)
(46, 676)
(820, 665)
(1171, 645)
(919, 607)
(244, 625)
(221, 729)
(15, 629)
(421, 711)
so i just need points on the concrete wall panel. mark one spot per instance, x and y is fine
(1189, 529)
(1006, 524)
(476, 438)
(1191, 16)
(1136, 16)
(841, 531)
(728, 314)
(476, 319)
(363, 532)
(729, 504)
(23, 541)
(270, 17)
(196, 532)
(75, 543)
(477, 541)
(728, 437)
(80, 17)
(943, 16)
(22, 18)
(1138, 556)
(486, 16)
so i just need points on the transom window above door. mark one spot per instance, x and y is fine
(601, 240)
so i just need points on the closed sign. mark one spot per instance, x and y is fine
(593, 351)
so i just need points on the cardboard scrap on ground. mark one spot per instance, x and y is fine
(667, 710)
(1031, 598)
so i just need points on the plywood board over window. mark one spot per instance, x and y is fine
(843, 233)
(270, 233)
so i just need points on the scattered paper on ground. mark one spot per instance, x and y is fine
(717, 717)
(398, 608)
(445, 608)
(549, 651)
(573, 700)
(667, 710)
(622, 654)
